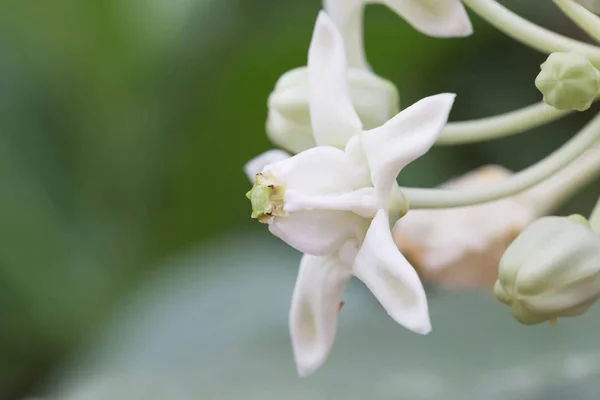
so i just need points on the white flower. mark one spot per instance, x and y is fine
(375, 99)
(337, 205)
(438, 18)
(461, 247)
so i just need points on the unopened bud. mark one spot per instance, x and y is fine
(551, 270)
(568, 81)
(288, 123)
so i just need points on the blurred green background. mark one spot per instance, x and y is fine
(125, 238)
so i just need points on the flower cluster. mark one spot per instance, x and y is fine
(337, 200)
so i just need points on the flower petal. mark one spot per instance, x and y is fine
(348, 17)
(287, 134)
(332, 115)
(362, 202)
(320, 170)
(315, 305)
(439, 18)
(257, 164)
(318, 232)
(395, 283)
(404, 138)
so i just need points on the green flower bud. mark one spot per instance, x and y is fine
(266, 198)
(551, 270)
(568, 81)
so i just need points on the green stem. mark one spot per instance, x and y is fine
(582, 17)
(440, 198)
(595, 218)
(529, 33)
(553, 192)
(498, 126)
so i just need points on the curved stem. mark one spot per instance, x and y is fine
(582, 17)
(498, 126)
(529, 33)
(595, 218)
(553, 192)
(439, 198)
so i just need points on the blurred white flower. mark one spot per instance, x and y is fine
(461, 247)
(375, 99)
(336, 205)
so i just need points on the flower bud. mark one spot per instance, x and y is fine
(288, 123)
(551, 270)
(568, 81)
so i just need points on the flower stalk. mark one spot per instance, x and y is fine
(595, 218)
(527, 178)
(528, 33)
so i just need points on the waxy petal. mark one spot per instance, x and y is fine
(257, 164)
(318, 232)
(439, 18)
(363, 202)
(348, 17)
(332, 115)
(315, 305)
(320, 170)
(404, 138)
(384, 270)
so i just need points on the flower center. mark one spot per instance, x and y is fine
(266, 198)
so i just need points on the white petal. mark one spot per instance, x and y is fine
(348, 17)
(288, 122)
(395, 283)
(363, 202)
(257, 164)
(440, 18)
(287, 134)
(318, 232)
(315, 305)
(404, 138)
(320, 170)
(332, 115)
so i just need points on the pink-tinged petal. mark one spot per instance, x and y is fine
(315, 305)
(333, 118)
(390, 277)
